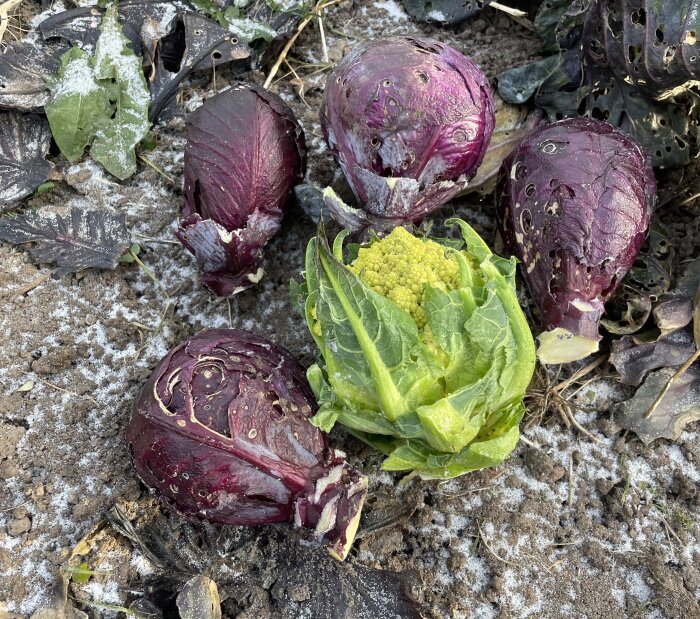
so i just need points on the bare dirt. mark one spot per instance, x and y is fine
(567, 527)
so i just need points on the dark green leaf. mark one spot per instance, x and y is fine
(546, 21)
(519, 84)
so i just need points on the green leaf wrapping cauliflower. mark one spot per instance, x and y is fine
(425, 352)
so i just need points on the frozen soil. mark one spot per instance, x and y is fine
(566, 527)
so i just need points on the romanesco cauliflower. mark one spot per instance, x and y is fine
(400, 266)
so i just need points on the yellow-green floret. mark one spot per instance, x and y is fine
(401, 265)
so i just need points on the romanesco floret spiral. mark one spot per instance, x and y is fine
(401, 265)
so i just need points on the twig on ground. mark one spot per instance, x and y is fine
(149, 163)
(570, 497)
(518, 16)
(324, 47)
(672, 381)
(68, 391)
(315, 12)
(30, 286)
(501, 559)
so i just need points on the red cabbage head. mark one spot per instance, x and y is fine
(409, 121)
(574, 203)
(221, 431)
(245, 153)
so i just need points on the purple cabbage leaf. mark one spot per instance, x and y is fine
(245, 152)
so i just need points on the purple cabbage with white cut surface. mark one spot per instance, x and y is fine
(409, 121)
(245, 152)
(574, 204)
(221, 430)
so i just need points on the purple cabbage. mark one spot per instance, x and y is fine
(574, 204)
(409, 121)
(221, 430)
(245, 152)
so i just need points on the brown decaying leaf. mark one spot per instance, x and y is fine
(679, 406)
(199, 599)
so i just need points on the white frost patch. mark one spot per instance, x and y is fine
(393, 8)
(638, 587)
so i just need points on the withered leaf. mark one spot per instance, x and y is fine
(24, 142)
(81, 26)
(194, 42)
(339, 590)
(23, 72)
(199, 599)
(633, 362)
(512, 125)
(628, 311)
(73, 241)
(679, 406)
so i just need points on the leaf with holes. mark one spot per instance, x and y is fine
(74, 241)
(650, 44)
(24, 142)
(573, 204)
(100, 100)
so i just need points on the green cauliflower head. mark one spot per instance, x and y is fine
(424, 350)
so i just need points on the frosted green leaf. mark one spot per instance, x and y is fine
(101, 99)
(114, 144)
(79, 104)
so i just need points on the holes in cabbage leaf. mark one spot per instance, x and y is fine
(633, 53)
(639, 17)
(659, 34)
(375, 141)
(530, 190)
(520, 171)
(423, 77)
(616, 27)
(526, 221)
(554, 286)
(552, 208)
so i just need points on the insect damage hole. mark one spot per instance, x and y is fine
(526, 221)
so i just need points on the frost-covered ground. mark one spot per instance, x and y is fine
(567, 527)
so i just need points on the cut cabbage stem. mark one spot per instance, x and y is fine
(562, 346)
